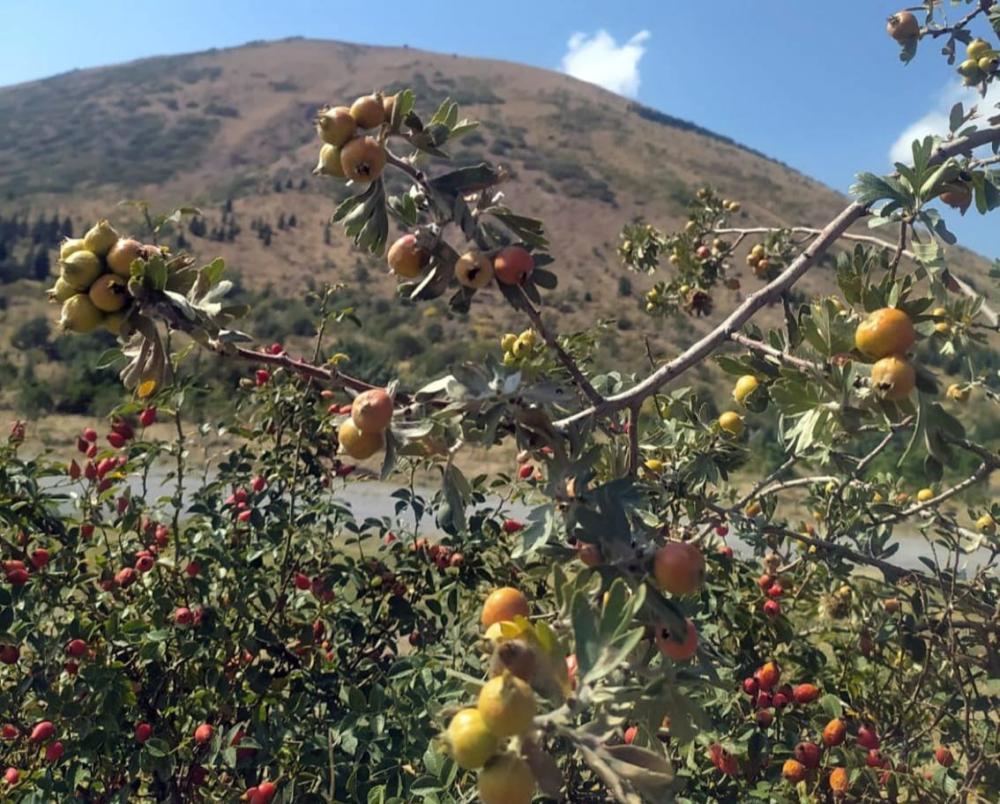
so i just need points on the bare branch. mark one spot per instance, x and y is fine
(782, 357)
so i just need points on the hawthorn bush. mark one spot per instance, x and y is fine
(182, 625)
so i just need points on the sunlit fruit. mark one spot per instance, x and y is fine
(203, 733)
(513, 265)
(329, 163)
(805, 693)
(793, 770)
(362, 159)
(868, 738)
(470, 742)
(61, 290)
(732, 423)
(745, 386)
(108, 293)
(388, 107)
(69, 246)
(959, 393)
(893, 377)
(924, 495)
(359, 445)
(903, 27)
(808, 753)
(839, 781)
(506, 779)
(336, 126)
(888, 331)
(678, 650)
(986, 524)
(969, 69)
(474, 270)
(122, 254)
(406, 259)
(834, 732)
(502, 605)
(507, 705)
(80, 269)
(79, 314)
(100, 238)
(368, 111)
(768, 675)
(372, 410)
(944, 756)
(977, 48)
(679, 568)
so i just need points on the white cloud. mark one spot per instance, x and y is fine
(602, 61)
(936, 120)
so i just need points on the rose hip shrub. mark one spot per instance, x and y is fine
(677, 617)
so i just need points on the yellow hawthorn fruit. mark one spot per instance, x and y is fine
(474, 270)
(69, 246)
(893, 377)
(406, 258)
(80, 269)
(924, 495)
(113, 322)
(362, 159)
(752, 510)
(960, 393)
(336, 126)
(506, 779)
(357, 444)
(122, 254)
(329, 163)
(61, 290)
(108, 293)
(502, 605)
(507, 341)
(884, 332)
(732, 423)
(471, 744)
(654, 465)
(903, 27)
(941, 326)
(839, 781)
(507, 705)
(679, 568)
(977, 48)
(79, 314)
(388, 106)
(100, 238)
(757, 252)
(679, 651)
(371, 410)
(745, 386)
(368, 111)
(989, 64)
(793, 770)
(986, 524)
(877, 497)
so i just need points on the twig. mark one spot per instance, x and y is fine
(782, 357)
(633, 439)
(947, 30)
(978, 476)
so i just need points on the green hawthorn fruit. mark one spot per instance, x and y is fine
(335, 126)
(80, 269)
(329, 162)
(70, 245)
(101, 238)
(79, 314)
(977, 48)
(60, 291)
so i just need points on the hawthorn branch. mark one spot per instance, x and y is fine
(947, 30)
(782, 357)
(564, 357)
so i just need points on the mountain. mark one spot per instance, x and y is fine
(230, 132)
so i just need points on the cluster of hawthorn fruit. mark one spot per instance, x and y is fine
(980, 62)
(362, 434)
(93, 282)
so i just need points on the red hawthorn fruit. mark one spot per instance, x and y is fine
(764, 718)
(868, 738)
(808, 754)
(90, 471)
(726, 551)
(143, 732)
(148, 417)
(764, 700)
(90, 434)
(750, 686)
(275, 348)
(263, 793)
(12, 564)
(76, 648)
(145, 562)
(126, 577)
(512, 526)
(105, 466)
(183, 615)
(40, 557)
(92, 451)
(9, 731)
(302, 581)
(82, 445)
(116, 440)
(874, 759)
(722, 530)
(198, 616)
(764, 582)
(415, 638)
(723, 761)
(943, 756)
(261, 377)
(771, 608)
(389, 538)
(456, 560)
(121, 505)
(123, 428)
(805, 693)
(775, 590)
(17, 577)
(193, 569)
(258, 484)
(203, 733)
(779, 701)
(526, 471)
(12, 776)
(71, 668)
(105, 484)
(54, 752)
(630, 733)
(768, 675)
(240, 495)
(42, 732)
(162, 535)
(244, 516)
(86, 531)
(9, 654)
(74, 470)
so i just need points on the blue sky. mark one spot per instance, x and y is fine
(817, 85)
